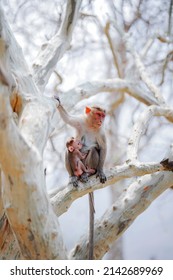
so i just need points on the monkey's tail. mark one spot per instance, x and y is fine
(91, 227)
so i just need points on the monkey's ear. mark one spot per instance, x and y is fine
(71, 149)
(87, 110)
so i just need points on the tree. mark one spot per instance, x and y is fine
(29, 225)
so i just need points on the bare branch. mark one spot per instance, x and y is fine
(110, 85)
(64, 198)
(120, 215)
(141, 125)
(31, 217)
(145, 77)
(14, 60)
(53, 50)
(114, 54)
(170, 17)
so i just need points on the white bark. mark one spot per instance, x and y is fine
(140, 66)
(141, 126)
(23, 77)
(53, 50)
(111, 85)
(24, 196)
(145, 77)
(8, 246)
(122, 213)
(64, 198)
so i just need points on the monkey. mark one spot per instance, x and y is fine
(75, 156)
(90, 130)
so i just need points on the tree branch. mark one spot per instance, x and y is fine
(141, 126)
(9, 248)
(111, 85)
(170, 18)
(24, 197)
(145, 77)
(31, 217)
(122, 213)
(53, 50)
(64, 198)
(140, 67)
(115, 55)
(15, 60)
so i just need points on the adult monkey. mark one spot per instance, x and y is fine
(90, 130)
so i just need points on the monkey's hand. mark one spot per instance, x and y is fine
(74, 181)
(84, 155)
(58, 102)
(101, 176)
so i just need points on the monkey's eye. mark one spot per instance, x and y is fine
(101, 115)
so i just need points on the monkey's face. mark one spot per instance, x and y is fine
(96, 117)
(77, 144)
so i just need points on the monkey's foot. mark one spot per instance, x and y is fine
(101, 176)
(90, 171)
(74, 181)
(168, 165)
(84, 177)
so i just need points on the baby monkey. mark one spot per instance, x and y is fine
(75, 156)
